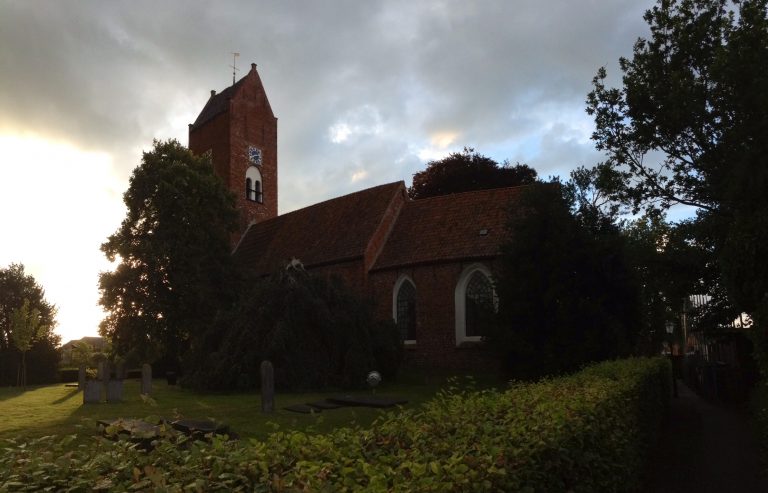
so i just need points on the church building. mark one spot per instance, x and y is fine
(427, 264)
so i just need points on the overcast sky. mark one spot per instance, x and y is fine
(365, 93)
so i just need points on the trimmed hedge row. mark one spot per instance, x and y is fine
(586, 432)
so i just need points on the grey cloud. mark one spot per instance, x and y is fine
(113, 75)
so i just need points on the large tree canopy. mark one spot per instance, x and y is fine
(466, 171)
(173, 255)
(567, 295)
(689, 125)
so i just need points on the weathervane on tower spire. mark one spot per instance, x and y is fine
(234, 65)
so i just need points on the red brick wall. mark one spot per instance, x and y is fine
(252, 123)
(214, 137)
(435, 347)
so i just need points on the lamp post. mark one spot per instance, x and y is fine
(670, 326)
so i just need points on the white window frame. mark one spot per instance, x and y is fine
(460, 302)
(398, 284)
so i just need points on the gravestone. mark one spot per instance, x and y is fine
(120, 371)
(103, 373)
(146, 379)
(267, 387)
(92, 392)
(114, 391)
(81, 377)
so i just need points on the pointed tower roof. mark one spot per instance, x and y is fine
(219, 103)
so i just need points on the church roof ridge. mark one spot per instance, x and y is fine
(218, 103)
(341, 197)
(457, 195)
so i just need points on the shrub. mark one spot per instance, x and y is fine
(586, 432)
(67, 375)
(316, 332)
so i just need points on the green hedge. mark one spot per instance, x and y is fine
(585, 432)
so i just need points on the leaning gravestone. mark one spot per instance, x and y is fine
(267, 387)
(114, 391)
(146, 379)
(81, 377)
(92, 392)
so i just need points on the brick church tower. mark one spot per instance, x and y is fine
(239, 129)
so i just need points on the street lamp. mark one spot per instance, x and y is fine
(670, 326)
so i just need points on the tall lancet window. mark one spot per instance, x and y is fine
(476, 302)
(405, 309)
(479, 304)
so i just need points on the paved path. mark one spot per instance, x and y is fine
(706, 448)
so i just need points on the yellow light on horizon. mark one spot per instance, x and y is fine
(59, 203)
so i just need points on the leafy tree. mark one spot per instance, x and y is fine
(466, 171)
(82, 354)
(670, 265)
(16, 287)
(174, 267)
(689, 125)
(586, 193)
(567, 295)
(25, 328)
(42, 358)
(317, 333)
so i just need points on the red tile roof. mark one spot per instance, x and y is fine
(449, 227)
(328, 232)
(217, 104)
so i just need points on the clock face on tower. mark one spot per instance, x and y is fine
(254, 155)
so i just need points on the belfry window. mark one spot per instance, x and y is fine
(253, 185)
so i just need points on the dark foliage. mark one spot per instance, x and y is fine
(316, 332)
(567, 295)
(43, 357)
(175, 267)
(467, 171)
(696, 91)
(688, 127)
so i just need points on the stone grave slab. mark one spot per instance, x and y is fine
(200, 426)
(133, 427)
(368, 400)
(325, 404)
(302, 408)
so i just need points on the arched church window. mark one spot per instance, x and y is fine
(253, 185)
(475, 302)
(404, 308)
(478, 304)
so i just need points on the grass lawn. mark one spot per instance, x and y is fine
(56, 409)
